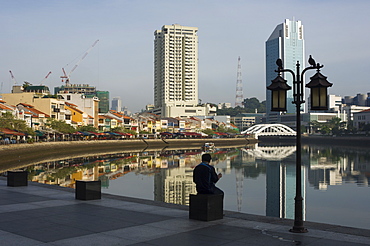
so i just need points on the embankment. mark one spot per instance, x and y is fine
(20, 155)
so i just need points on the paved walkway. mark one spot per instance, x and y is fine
(40, 214)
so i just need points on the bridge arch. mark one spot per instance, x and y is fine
(270, 130)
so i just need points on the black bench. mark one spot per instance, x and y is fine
(206, 207)
(17, 178)
(88, 190)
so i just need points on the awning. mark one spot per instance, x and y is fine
(6, 131)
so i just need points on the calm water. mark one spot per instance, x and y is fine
(256, 179)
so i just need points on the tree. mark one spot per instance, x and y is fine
(253, 104)
(8, 120)
(88, 128)
(208, 131)
(121, 129)
(60, 126)
(250, 106)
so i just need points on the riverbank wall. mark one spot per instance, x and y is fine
(355, 141)
(20, 155)
(349, 141)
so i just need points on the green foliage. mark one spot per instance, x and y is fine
(60, 126)
(208, 131)
(121, 129)
(7, 120)
(250, 106)
(335, 126)
(89, 128)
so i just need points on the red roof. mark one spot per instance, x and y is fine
(11, 132)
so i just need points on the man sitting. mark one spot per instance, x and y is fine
(205, 177)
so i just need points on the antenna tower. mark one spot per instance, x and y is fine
(239, 86)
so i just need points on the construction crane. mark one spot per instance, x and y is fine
(65, 75)
(45, 78)
(13, 78)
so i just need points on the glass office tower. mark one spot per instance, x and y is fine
(285, 42)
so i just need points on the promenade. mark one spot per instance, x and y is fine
(40, 214)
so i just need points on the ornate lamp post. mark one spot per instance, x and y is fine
(319, 101)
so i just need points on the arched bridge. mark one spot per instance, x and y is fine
(270, 130)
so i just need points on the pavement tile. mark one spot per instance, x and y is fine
(188, 238)
(140, 233)
(10, 239)
(222, 232)
(179, 224)
(52, 234)
(94, 239)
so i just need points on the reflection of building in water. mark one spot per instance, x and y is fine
(174, 185)
(280, 189)
(280, 178)
(330, 168)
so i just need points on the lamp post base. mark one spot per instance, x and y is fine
(297, 229)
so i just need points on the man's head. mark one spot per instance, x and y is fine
(206, 158)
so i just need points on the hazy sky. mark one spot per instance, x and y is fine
(38, 36)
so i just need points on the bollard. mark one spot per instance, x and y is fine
(206, 207)
(17, 178)
(88, 190)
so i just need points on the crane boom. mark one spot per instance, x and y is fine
(13, 78)
(45, 77)
(65, 76)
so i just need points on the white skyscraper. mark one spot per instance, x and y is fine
(176, 71)
(285, 42)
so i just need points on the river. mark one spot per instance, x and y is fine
(257, 179)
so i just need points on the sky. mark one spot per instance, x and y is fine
(38, 36)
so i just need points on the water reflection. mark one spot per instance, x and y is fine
(257, 179)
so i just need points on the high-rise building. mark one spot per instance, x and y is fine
(176, 71)
(285, 42)
(103, 101)
(116, 104)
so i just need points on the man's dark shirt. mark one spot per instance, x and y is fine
(205, 177)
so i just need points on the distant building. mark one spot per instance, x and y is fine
(76, 88)
(116, 104)
(362, 118)
(104, 101)
(285, 42)
(50, 105)
(245, 120)
(89, 92)
(176, 72)
(89, 105)
(224, 105)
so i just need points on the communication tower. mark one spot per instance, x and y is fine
(239, 86)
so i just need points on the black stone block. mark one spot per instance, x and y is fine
(17, 178)
(206, 207)
(88, 190)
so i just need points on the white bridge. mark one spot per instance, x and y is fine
(270, 130)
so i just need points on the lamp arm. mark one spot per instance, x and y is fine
(286, 70)
(318, 67)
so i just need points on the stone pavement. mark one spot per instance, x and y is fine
(40, 214)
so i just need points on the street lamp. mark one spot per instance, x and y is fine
(319, 101)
